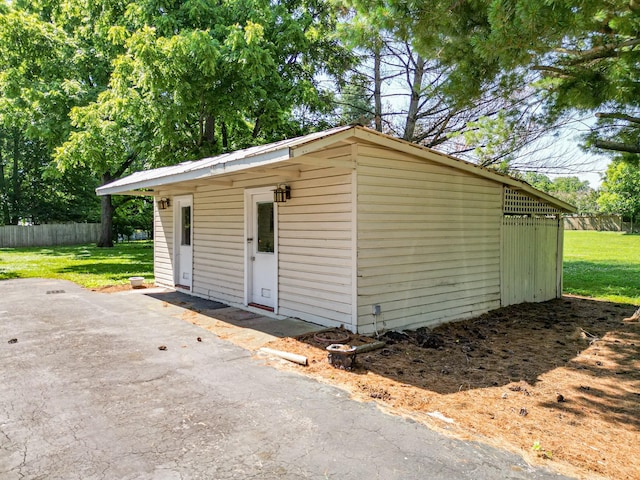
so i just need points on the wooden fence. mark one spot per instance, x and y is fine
(603, 223)
(14, 236)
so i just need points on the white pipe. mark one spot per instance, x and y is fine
(292, 357)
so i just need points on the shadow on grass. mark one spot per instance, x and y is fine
(7, 275)
(117, 272)
(598, 279)
(139, 249)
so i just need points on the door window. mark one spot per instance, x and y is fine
(186, 226)
(266, 236)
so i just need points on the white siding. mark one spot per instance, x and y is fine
(163, 245)
(530, 259)
(428, 242)
(218, 243)
(314, 235)
(315, 249)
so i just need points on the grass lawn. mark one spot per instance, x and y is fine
(603, 265)
(85, 265)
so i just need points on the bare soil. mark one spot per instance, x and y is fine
(558, 382)
(121, 287)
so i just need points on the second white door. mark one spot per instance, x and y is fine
(262, 250)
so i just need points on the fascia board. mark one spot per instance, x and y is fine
(232, 166)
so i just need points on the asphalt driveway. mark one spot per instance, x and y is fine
(86, 393)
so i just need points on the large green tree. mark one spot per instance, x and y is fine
(117, 85)
(407, 92)
(200, 78)
(37, 90)
(620, 192)
(580, 55)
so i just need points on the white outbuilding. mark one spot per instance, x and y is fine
(352, 227)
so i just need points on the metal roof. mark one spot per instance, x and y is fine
(262, 155)
(207, 167)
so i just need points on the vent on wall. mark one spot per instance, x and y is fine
(516, 203)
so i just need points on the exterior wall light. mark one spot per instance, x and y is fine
(164, 203)
(282, 193)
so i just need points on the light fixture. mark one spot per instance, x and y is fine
(164, 203)
(282, 193)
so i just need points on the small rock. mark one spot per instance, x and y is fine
(560, 397)
(504, 395)
(523, 412)
(13, 340)
(162, 347)
(199, 339)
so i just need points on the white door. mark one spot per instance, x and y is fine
(262, 250)
(183, 250)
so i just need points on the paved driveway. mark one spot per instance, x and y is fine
(85, 393)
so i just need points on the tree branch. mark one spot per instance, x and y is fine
(546, 68)
(604, 51)
(126, 164)
(618, 116)
(617, 146)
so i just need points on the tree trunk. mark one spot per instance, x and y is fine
(15, 180)
(225, 136)
(106, 217)
(4, 194)
(210, 130)
(414, 103)
(377, 88)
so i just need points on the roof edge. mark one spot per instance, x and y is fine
(454, 162)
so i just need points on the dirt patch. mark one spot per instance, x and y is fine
(122, 287)
(558, 382)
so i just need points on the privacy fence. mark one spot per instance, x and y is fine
(14, 236)
(603, 223)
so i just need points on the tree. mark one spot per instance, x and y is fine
(44, 73)
(620, 191)
(580, 56)
(135, 85)
(405, 93)
(197, 79)
(572, 190)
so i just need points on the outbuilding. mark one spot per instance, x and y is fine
(352, 227)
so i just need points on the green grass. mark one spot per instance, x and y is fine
(603, 265)
(85, 265)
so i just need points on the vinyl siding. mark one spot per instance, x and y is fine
(315, 249)
(163, 245)
(314, 245)
(428, 242)
(218, 243)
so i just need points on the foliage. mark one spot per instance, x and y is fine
(116, 86)
(580, 56)
(31, 191)
(85, 265)
(132, 214)
(621, 189)
(602, 265)
(403, 93)
(571, 190)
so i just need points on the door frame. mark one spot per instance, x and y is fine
(249, 211)
(177, 235)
